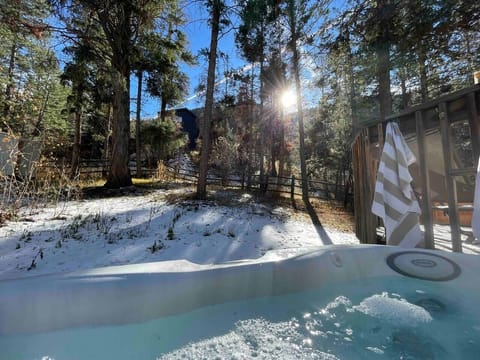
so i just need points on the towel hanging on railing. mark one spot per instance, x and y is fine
(394, 200)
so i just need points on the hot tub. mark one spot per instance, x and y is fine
(331, 302)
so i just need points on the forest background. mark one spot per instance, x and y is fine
(308, 75)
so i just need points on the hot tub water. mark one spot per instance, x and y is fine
(382, 317)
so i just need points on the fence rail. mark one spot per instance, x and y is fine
(277, 184)
(290, 185)
(92, 167)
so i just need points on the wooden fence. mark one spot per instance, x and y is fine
(276, 184)
(287, 185)
(95, 168)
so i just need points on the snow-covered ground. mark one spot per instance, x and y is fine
(143, 227)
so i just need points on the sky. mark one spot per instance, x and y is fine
(197, 31)
(198, 35)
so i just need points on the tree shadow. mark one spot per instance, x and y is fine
(324, 237)
(230, 226)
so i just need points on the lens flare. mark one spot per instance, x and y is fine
(288, 98)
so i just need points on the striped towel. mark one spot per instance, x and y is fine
(394, 200)
(476, 206)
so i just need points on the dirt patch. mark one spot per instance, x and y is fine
(334, 215)
(331, 214)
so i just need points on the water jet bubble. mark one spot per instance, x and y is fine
(431, 305)
(307, 342)
(412, 345)
(393, 310)
(375, 350)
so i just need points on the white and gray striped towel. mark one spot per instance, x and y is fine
(394, 200)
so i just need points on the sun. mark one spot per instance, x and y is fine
(288, 98)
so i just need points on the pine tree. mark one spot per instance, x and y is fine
(217, 11)
(121, 23)
(29, 69)
(300, 18)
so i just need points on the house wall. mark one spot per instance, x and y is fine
(189, 125)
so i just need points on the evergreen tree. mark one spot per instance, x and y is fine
(89, 75)
(121, 23)
(298, 14)
(217, 11)
(29, 69)
(257, 18)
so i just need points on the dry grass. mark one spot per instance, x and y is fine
(33, 192)
(334, 215)
(331, 214)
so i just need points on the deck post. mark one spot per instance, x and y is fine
(424, 182)
(449, 179)
(365, 221)
(474, 127)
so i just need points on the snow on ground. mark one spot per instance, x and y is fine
(138, 228)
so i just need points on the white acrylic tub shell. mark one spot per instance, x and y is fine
(135, 293)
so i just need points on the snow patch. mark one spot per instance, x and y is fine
(80, 235)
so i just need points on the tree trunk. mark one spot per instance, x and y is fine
(117, 25)
(470, 59)
(352, 93)
(9, 87)
(138, 148)
(383, 76)
(422, 70)
(163, 107)
(208, 113)
(298, 89)
(282, 153)
(272, 169)
(252, 139)
(273, 164)
(119, 174)
(107, 147)
(262, 118)
(383, 63)
(41, 114)
(301, 131)
(403, 85)
(76, 143)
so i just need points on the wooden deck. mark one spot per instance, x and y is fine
(442, 238)
(443, 242)
(444, 135)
